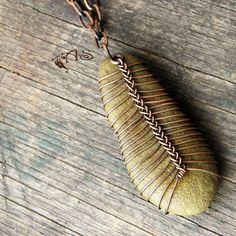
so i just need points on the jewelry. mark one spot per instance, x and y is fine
(167, 159)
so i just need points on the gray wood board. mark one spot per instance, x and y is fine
(61, 168)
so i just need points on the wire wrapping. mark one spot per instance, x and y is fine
(90, 11)
(129, 139)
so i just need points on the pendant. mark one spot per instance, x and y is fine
(166, 157)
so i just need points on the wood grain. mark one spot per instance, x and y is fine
(61, 169)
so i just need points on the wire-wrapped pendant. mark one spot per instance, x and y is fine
(167, 159)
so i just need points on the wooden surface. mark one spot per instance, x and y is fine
(61, 168)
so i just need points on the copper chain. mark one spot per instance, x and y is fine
(90, 17)
(90, 10)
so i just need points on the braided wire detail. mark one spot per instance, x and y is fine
(147, 114)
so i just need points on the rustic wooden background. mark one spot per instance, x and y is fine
(61, 169)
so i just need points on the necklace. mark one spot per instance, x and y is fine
(166, 157)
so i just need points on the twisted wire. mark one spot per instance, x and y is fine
(147, 114)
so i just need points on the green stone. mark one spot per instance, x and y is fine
(148, 163)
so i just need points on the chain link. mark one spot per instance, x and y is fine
(90, 17)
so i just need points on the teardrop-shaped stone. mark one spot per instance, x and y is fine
(149, 165)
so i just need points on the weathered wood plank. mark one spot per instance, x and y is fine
(203, 39)
(48, 145)
(18, 220)
(61, 166)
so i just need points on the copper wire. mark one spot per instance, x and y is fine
(163, 193)
(135, 141)
(132, 114)
(182, 130)
(140, 119)
(115, 96)
(119, 104)
(122, 113)
(150, 171)
(92, 12)
(142, 161)
(128, 160)
(206, 171)
(111, 89)
(138, 132)
(171, 195)
(109, 83)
